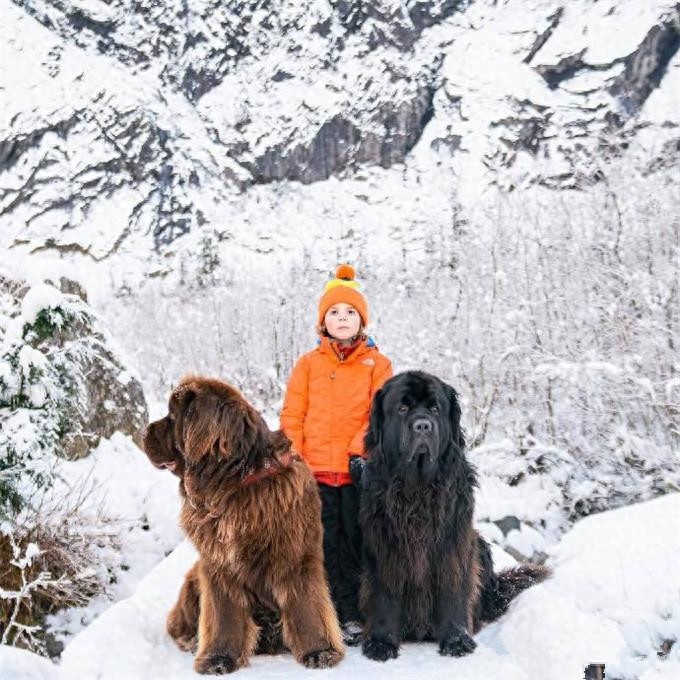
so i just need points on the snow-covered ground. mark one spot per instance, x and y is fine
(614, 598)
(135, 507)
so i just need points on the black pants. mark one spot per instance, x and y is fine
(342, 547)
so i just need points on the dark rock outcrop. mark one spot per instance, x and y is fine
(543, 37)
(645, 67)
(340, 143)
(394, 23)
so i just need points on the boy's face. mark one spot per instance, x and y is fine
(342, 321)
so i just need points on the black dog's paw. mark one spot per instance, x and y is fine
(457, 643)
(323, 658)
(379, 650)
(215, 664)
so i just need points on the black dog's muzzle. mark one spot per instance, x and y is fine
(422, 442)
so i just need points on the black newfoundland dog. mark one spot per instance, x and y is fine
(428, 575)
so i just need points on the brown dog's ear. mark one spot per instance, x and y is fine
(180, 399)
(226, 428)
(202, 427)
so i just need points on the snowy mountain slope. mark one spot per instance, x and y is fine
(88, 147)
(613, 599)
(122, 124)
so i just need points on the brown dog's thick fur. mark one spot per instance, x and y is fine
(251, 508)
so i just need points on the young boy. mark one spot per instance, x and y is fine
(325, 414)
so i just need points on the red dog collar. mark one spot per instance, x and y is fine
(270, 468)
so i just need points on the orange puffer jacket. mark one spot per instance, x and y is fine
(325, 410)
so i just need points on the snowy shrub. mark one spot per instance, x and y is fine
(29, 424)
(559, 328)
(46, 560)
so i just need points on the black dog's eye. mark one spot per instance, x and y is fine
(403, 408)
(434, 409)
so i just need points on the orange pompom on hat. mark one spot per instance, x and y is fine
(343, 288)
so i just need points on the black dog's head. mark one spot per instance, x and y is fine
(415, 426)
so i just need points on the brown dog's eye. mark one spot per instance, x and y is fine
(403, 408)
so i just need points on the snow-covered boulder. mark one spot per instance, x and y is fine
(63, 383)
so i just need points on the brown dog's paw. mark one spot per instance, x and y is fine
(379, 650)
(323, 658)
(457, 643)
(215, 664)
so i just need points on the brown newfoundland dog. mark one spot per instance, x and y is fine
(251, 508)
(428, 575)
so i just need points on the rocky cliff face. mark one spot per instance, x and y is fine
(126, 119)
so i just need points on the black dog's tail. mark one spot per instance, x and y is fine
(502, 588)
(498, 590)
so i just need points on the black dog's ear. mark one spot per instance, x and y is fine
(373, 437)
(454, 416)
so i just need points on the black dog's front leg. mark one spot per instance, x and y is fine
(382, 611)
(454, 608)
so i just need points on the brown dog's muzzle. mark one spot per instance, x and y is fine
(160, 448)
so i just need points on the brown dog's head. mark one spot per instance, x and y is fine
(209, 421)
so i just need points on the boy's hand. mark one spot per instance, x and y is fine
(356, 468)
